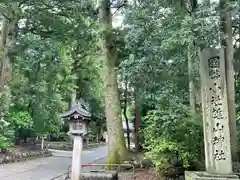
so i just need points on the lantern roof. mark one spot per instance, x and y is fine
(77, 110)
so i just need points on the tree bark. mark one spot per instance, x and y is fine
(4, 66)
(192, 97)
(97, 137)
(226, 27)
(42, 143)
(125, 114)
(116, 142)
(73, 99)
(191, 7)
(17, 137)
(137, 122)
(7, 41)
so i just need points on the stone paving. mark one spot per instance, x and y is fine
(46, 168)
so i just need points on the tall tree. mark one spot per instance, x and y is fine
(116, 143)
(10, 14)
(137, 122)
(227, 44)
(192, 91)
(191, 7)
(125, 113)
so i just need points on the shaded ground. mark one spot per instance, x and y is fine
(29, 147)
(67, 146)
(140, 174)
(21, 152)
(84, 169)
(21, 149)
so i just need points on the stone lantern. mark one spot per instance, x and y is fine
(78, 118)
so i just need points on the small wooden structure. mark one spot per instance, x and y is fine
(78, 119)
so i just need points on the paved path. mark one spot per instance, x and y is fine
(46, 168)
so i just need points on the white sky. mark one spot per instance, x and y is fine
(211, 1)
(117, 20)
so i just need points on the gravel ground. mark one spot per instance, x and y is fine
(85, 169)
(140, 174)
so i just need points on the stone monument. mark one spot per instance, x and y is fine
(218, 160)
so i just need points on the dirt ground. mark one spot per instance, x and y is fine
(20, 149)
(140, 174)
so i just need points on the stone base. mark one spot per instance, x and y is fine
(201, 175)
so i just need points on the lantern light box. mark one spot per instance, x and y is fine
(78, 119)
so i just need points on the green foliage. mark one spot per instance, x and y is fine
(57, 50)
(172, 138)
(94, 131)
(21, 119)
(53, 49)
(158, 36)
(41, 83)
(6, 132)
(6, 135)
(22, 124)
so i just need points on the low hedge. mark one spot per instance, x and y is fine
(59, 146)
(23, 156)
(69, 147)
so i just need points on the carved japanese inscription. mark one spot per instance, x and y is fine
(214, 66)
(215, 111)
(216, 106)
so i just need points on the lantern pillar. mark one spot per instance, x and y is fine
(76, 157)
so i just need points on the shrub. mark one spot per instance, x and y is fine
(172, 138)
(6, 135)
(21, 122)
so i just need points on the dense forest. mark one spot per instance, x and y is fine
(145, 70)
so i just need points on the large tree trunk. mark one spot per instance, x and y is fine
(137, 122)
(191, 6)
(116, 142)
(192, 97)
(7, 41)
(42, 143)
(226, 27)
(73, 98)
(125, 114)
(4, 68)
